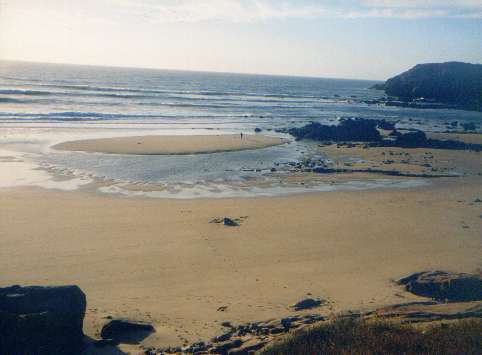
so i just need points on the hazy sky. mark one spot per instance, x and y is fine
(370, 39)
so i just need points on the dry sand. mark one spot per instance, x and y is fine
(162, 261)
(161, 145)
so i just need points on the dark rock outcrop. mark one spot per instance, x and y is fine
(365, 130)
(41, 320)
(452, 83)
(359, 130)
(124, 330)
(444, 286)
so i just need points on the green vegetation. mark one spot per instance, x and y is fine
(348, 336)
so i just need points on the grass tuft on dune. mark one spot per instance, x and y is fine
(349, 336)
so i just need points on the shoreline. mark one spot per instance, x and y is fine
(172, 145)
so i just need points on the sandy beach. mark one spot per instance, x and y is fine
(172, 145)
(162, 261)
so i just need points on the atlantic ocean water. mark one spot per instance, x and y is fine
(53, 92)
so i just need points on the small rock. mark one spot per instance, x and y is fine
(277, 330)
(315, 317)
(224, 347)
(230, 222)
(307, 303)
(196, 348)
(223, 337)
(257, 130)
(287, 322)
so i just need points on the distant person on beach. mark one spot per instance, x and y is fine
(241, 134)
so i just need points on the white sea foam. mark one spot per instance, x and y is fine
(19, 170)
(229, 191)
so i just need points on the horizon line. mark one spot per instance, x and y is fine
(186, 70)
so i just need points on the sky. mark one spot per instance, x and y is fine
(364, 39)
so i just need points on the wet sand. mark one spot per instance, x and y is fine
(164, 145)
(471, 138)
(162, 261)
(409, 161)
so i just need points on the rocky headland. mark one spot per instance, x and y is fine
(436, 85)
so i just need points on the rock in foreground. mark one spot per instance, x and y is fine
(41, 320)
(441, 285)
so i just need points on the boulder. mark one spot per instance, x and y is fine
(41, 320)
(258, 130)
(352, 129)
(124, 330)
(444, 286)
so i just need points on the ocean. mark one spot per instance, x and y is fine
(41, 104)
(60, 93)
